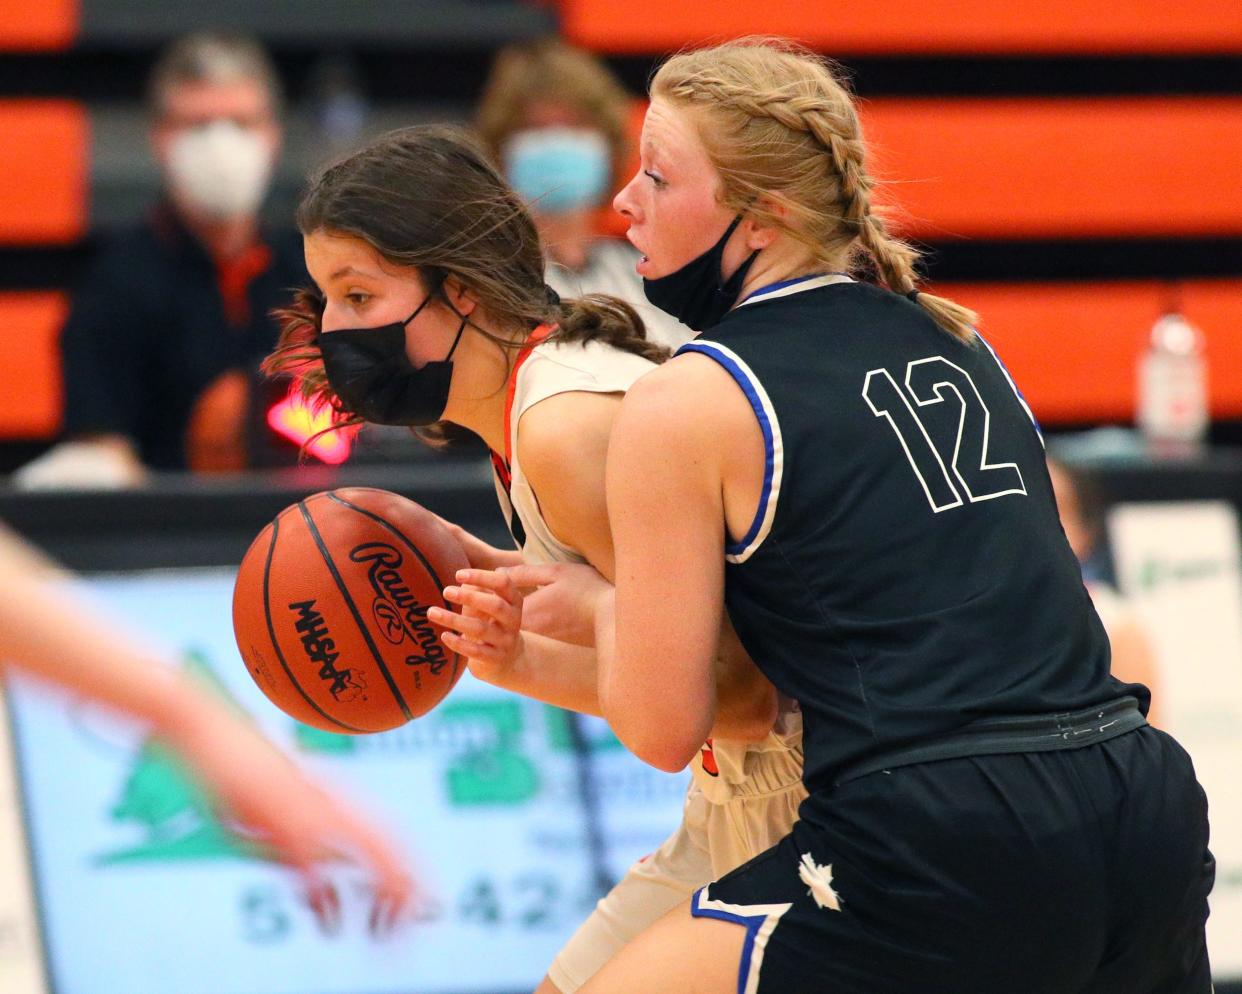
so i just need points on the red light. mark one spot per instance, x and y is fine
(294, 419)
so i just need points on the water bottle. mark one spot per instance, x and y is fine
(1173, 398)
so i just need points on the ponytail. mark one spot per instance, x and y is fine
(597, 317)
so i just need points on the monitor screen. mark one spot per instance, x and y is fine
(141, 890)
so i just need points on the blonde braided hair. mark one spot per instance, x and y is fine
(782, 130)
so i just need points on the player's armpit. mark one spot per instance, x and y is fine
(563, 447)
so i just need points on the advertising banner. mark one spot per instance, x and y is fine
(142, 890)
(1177, 564)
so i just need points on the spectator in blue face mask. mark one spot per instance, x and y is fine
(555, 119)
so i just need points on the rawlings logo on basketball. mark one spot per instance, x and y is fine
(347, 685)
(388, 620)
(398, 614)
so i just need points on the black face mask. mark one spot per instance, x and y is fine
(697, 294)
(369, 371)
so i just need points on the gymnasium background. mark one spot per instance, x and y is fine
(1074, 168)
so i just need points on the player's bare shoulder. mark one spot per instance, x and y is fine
(691, 391)
(697, 410)
(564, 429)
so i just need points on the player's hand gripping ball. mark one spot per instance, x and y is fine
(330, 610)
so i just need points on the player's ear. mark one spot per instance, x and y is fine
(760, 234)
(460, 296)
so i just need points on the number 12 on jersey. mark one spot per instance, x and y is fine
(948, 478)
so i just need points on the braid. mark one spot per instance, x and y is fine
(856, 184)
(779, 126)
(894, 259)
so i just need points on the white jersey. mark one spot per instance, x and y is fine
(743, 797)
(722, 769)
(549, 369)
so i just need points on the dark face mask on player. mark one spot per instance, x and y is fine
(369, 371)
(697, 294)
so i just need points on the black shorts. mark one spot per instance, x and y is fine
(1083, 871)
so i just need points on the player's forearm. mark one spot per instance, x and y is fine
(50, 633)
(554, 672)
(481, 554)
(663, 717)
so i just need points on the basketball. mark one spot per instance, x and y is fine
(330, 610)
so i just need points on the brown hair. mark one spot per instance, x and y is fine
(212, 57)
(780, 126)
(551, 70)
(427, 198)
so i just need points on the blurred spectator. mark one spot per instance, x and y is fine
(1080, 508)
(339, 105)
(172, 318)
(557, 121)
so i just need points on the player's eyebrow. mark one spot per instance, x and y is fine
(654, 154)
(346, 271)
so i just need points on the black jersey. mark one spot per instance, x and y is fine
(906, 573)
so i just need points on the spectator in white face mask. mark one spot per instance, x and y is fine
(171, 319)
(557, 122)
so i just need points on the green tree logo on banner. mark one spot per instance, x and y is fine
(162, 798)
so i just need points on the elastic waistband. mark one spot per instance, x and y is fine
(770, 773)
(1016, 733)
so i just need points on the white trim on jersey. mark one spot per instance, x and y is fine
(795, 286)
(774, 450)
(759, 920)
(1013, 386)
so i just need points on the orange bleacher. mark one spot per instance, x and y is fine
(956, 168)
(1052, 168)
(44, 158)
(1044, 168)
(1074, 348)
(38, 25)
(913, 27)
(30, 405)
(1058, 169)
